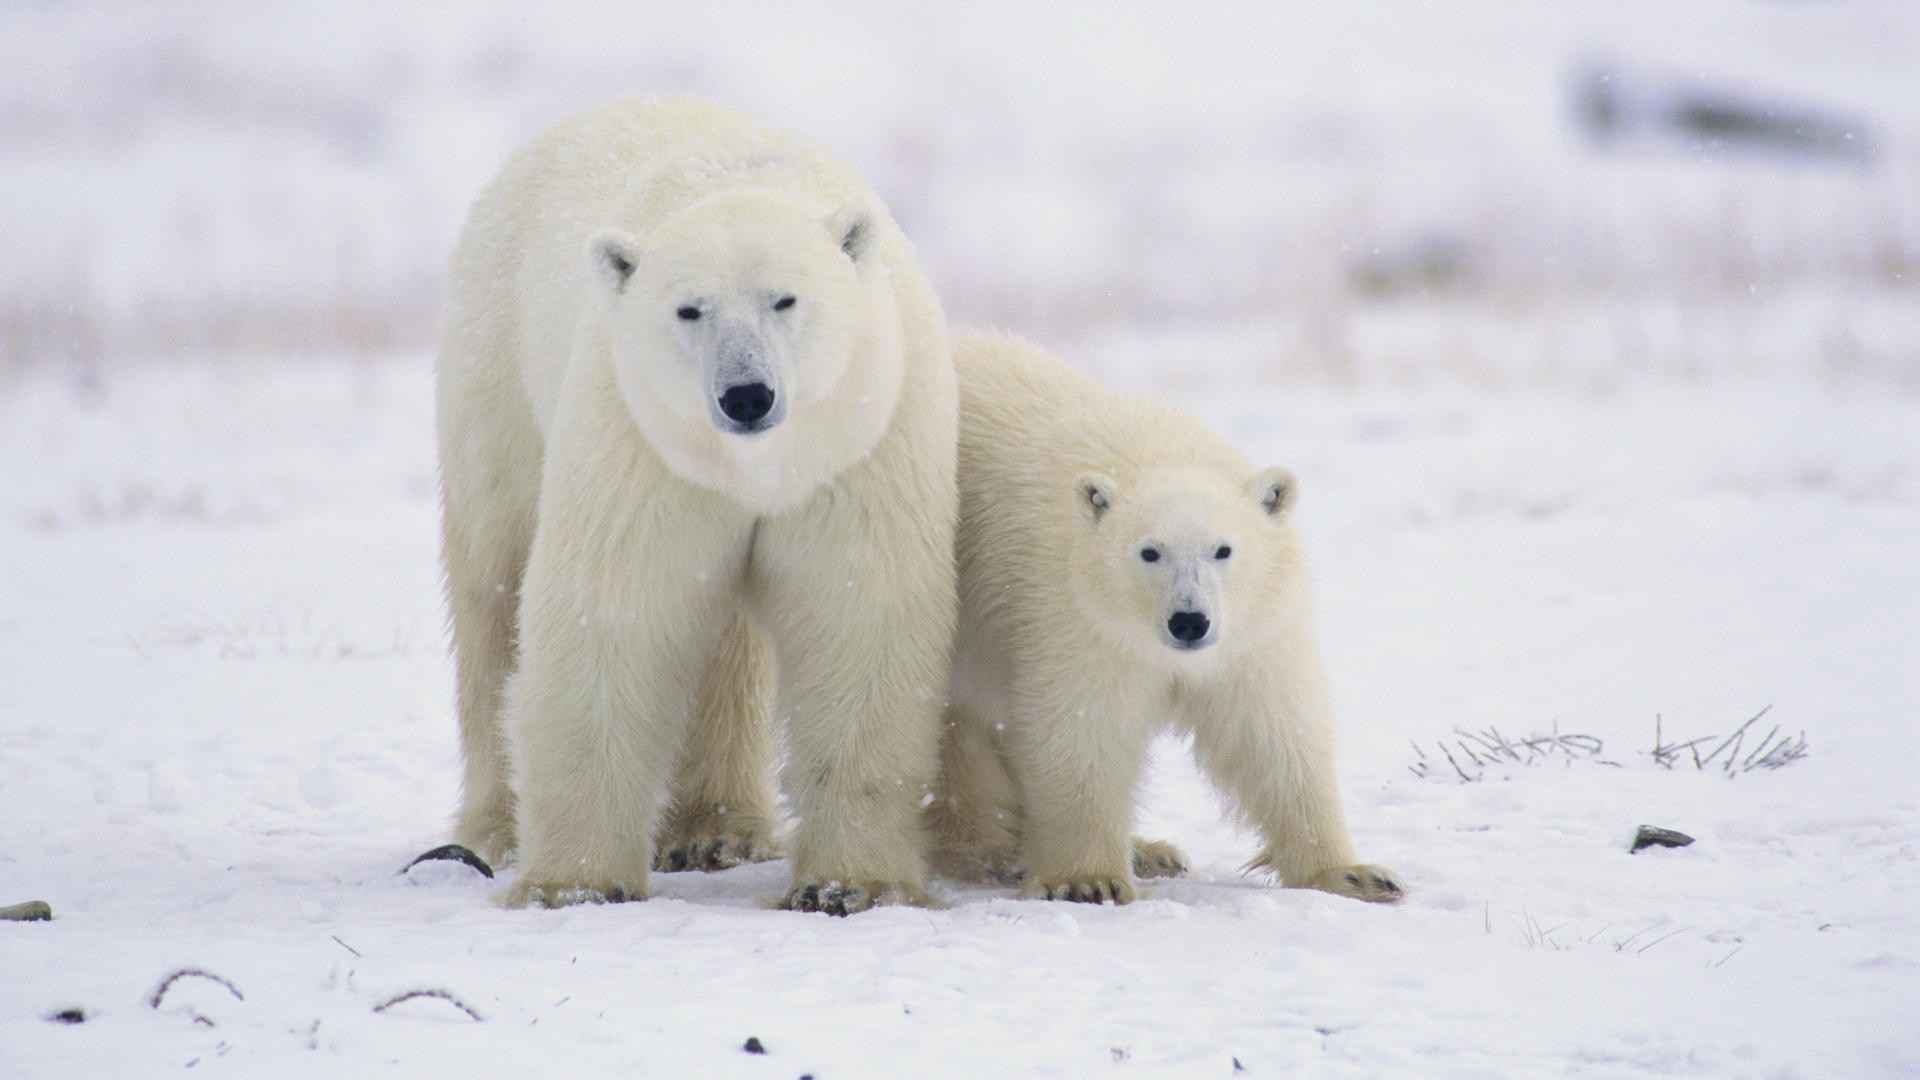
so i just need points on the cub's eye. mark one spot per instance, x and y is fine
(1149, 554)
(784, 303)
(689, 313)
(1223, 552)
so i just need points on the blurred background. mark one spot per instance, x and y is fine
(1593, 332)
(1404, 193)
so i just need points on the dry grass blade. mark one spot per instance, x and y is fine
(1658, 940)
(1456, 765)
(1747, 763)
(437, 994)
(166, 984)
(1737, 733)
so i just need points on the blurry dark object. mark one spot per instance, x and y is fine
(451, 853)
(75, 1015)
(1611, 105)
(1424, 263)
(1655, 836)
(31, 911)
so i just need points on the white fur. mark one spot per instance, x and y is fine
(1064, 665)
(637, 567)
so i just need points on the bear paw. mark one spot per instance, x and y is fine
(544, 893)
(714, 841)
(850, 897)
(1085, 889)
(1157, 859)
(1374, 884)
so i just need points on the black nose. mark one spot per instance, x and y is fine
(1187, 627)
(747, 403)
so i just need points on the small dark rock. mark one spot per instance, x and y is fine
(1237, 1067)
(31, 911)
(753, 1045)
(74, 1015)
(451, 853)
(1655, 836)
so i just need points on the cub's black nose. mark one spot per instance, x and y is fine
(1188, 627)
(748, 403)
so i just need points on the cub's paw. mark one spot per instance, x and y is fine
(714, 841)
(1374, 884)
(548, 893)
(851, 897)
(1084, 889)
(1157, 859)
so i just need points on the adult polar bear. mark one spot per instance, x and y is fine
(695, 400)
(1123, 568)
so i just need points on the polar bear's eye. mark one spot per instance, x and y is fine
(1223, 552)
(784, 303)
(689, 313)
(1150, 554)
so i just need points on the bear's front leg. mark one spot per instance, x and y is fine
(1077, 739)
(629, 586)
(1267, 739)
(859, 597)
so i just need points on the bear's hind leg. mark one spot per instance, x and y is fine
(723, 807)
(975, 816)
(1157, 859)
(490, 479)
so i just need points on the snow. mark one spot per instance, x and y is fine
(227, 726)
(1652, 456)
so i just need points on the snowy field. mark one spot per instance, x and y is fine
(227, 722)
(1650, 452)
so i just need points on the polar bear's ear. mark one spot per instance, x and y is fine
(612, 253)
(1277, 490)
(853, 229)
(1094, 493)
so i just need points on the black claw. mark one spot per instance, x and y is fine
(452, 853)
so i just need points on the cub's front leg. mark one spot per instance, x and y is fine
(1077, 745)
(1267, 740)
(627, 591)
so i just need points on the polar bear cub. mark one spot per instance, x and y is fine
(697, 423)
(1122, 568)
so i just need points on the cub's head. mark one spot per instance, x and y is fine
(742, 312)
(1184, 565)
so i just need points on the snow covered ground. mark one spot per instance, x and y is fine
(1588, 437)
(226, 723)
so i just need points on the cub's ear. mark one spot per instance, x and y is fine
(1277, 490)
(613, 256)
(852, 227)
(1093, 493)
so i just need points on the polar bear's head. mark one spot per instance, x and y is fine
(739, 317)
(1184, 560)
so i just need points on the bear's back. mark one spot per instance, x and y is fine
(1030, 424)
